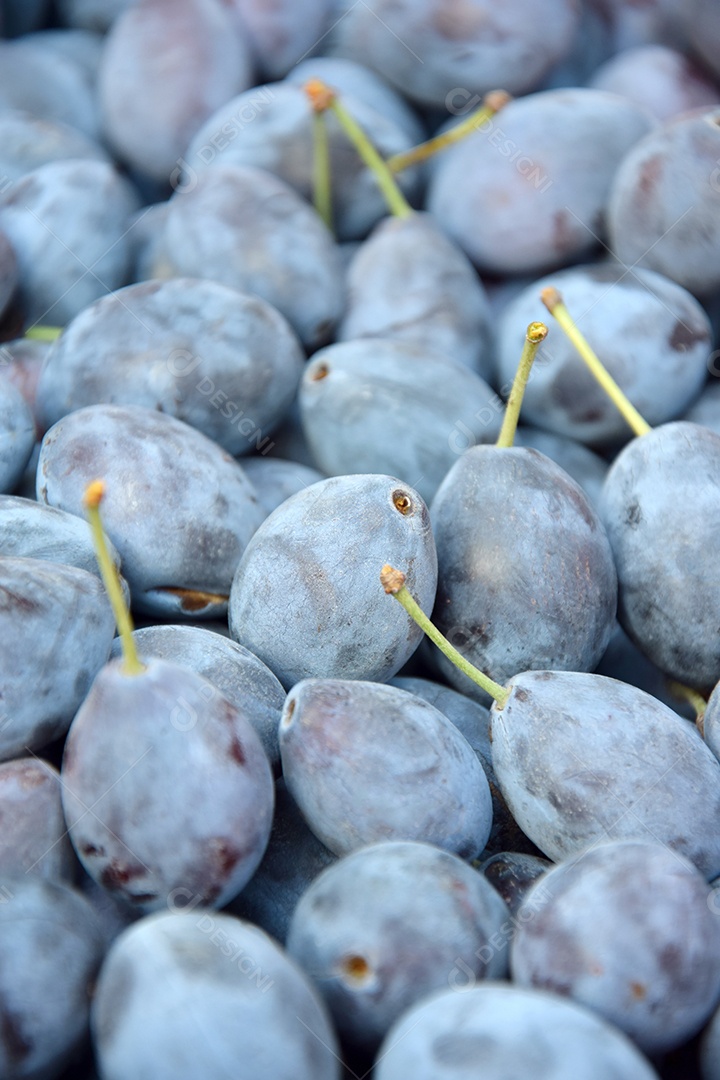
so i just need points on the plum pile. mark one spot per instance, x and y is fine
(302, 305)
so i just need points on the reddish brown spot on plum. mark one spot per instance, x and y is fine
(638, 990)
(90, 850)
(684, 337)
(650, 174)
(118, 875)
(194, 599)
(355, 968)
(237, 752)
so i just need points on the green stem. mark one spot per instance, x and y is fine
(694, 699)
(534, 336)
(493, 103)
(553, 301)
(321, 169)
(94, 493)
(396, 202)
(44, 333)
(393, 581)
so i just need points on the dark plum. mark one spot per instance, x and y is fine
(17, 435)
(235, 672)
(706, 408)
(56, 626)
(701, 21)
(50, 952)
(386, 925)
(514, 1031)
(166, 66)
(282, 33)
(46, 85)
(585, 467)
(248, 229)
(652, 336)
(664, 207)
(525, 570)
(276, 479)
(513, 873)
(167, 790)
(21, 361)
(30, 529)
(225, 362)
(624, 928)
(33, 834)
(659, 78)
(528, 193)
(293, 859)
(661, 509)
(411, 282)
(441, 54)
(711, 721)
(392, 406)
(67, 222)
(27, 142)
(367, 762)
(582, 758)
(203, 994)
(291, 603)
(180, 510)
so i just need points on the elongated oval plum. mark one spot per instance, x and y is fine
(661, 508)
(305, 597)
(180, 788)
(17, 435)
(33, 833)
(225, 362)
(32, 530)
(179, 509)
(525, 571)
(626, 929)
(203, 994)
(581, 757)
(56, 626)
(382, 927)
(367, 762)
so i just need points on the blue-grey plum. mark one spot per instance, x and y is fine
(623, 660)
(282, 33)
(701, 22)
(515, 1033)
(409, 281)
(179, 509)
(528, 193)
(27, 142)
(367, 762)
(276, 479)
(67, 222)
(56, 626)
(270, 127)
(50, 952)
(248, 229)
(624, 928)
(306, 596)
(17, 435)
(473, 720)
(234, 671)
(525, 571)
(429, 48)
(166, 787)
(513, 873)
(705, 410)
(183, 995)
(289, 441)
(21, 361)
(389, 924)
(32, 530)
(293, 859)
(663, 208)
(661, 509)
(582, 757)
(166, 66)
(8, 272)
(225, 362)
(661, 79)
(96, 15)
(33, 834)
(83, 47)
(47, 85)
(353, 80)
(586, 468)
(652, 336)
(390, 406)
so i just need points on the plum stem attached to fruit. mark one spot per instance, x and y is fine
(534, 336)
(323, 97)
(553, 301)
(320, 97)
(94, 494)
(694, 699)
(393, 582)
(492, 103)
